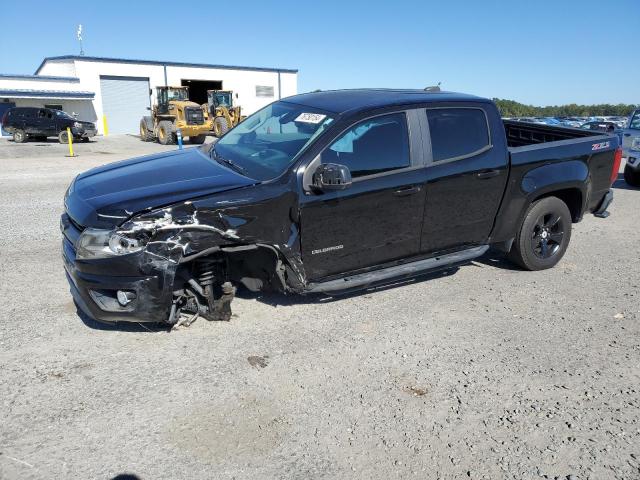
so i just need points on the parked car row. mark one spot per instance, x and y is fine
(578, 122)
(26, 123)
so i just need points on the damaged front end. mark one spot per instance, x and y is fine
(173, 264)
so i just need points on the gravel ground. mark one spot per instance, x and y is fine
(486, 372)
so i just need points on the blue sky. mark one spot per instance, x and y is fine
(541, 52)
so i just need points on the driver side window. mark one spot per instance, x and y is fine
(373, 146)
(635, 121)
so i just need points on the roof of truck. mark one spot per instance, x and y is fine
(342, 101)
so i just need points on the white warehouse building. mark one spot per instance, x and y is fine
(118, 92)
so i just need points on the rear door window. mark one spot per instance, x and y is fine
(457, 133)
(373, 146)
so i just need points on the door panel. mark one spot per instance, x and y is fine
(463, 198)
(49, 123)
(371, 222)
(466, 177)
(34, 123)
(378, 218)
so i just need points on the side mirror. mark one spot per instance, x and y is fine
(332, 176)
(149, 108)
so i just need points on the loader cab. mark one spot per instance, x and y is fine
(220, 98)
(166, 95)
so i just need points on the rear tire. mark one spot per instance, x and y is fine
(220, 126)
(631, 176)
(544, 235)
(166, 135)
(63, 137)
(145, 134)
(19, 136)
(198, 139)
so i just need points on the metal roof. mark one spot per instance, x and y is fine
(341, 101)
(160, 63)
(39, 77)
(51, 94)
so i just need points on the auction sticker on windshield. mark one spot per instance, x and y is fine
(310, 117)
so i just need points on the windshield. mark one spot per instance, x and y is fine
(178, 94)
(62, 114)
(222, 99)
(267, 142)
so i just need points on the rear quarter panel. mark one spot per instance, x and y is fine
(539, 170)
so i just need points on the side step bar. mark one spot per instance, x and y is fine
(406, 270)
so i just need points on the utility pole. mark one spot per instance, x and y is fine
(79, 35)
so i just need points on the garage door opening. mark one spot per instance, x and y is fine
(125, 100)
(198, 89)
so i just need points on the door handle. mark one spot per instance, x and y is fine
(488, 174)
(407, 191)
(627, 134)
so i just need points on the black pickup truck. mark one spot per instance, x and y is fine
(39, 123)
(328, 192)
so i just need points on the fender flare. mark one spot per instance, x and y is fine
(546, 179)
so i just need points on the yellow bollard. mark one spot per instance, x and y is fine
(70, 140)
(105, 125)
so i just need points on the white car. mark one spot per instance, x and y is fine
(631, 149)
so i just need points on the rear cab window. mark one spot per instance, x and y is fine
(457, 132)
(373, 146)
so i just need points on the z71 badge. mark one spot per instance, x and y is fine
(600, 146)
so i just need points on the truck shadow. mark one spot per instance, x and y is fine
(494, 258)
(277, 299)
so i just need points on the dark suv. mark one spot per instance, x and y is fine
(40, 123)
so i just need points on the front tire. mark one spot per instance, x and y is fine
(220, 126)
(631, 176)
(145, 134)
(544, 235)
(63, 137)
(165, 133)
(19, 136)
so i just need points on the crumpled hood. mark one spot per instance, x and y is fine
(105, 196)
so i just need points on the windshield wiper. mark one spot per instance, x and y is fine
(226, 161)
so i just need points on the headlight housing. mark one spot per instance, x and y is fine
(77, 124)
(95, 243)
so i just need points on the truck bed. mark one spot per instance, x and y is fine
(544, 157)
(521, 134)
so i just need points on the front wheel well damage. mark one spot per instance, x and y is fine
(204, 283)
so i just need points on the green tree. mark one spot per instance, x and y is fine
(510, 108)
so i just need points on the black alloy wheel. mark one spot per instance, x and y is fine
(548, 233)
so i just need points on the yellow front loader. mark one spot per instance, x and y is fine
(172, 112)
(221, 111)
